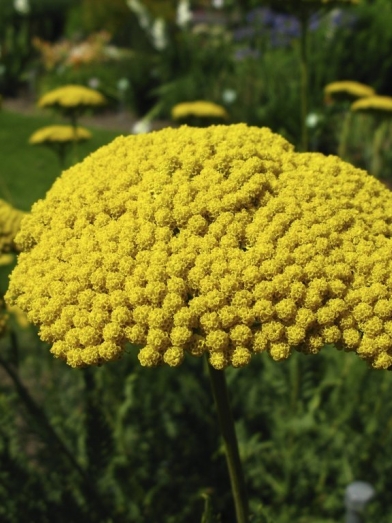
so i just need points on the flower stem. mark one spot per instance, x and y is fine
(74, 123)
(226, 423)
(344, 136)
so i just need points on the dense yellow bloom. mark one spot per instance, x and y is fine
(220, 240)
(200, 109)
(376, 104)
(348, 88)
(71, 96)
(59, 134)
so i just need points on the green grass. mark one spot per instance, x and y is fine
(26, 171)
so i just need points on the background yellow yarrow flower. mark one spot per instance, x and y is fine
(348, 88)
(199, 108)
(220, 240)
(376, 104)
(71, 96)
(10, 219)
(59, 134)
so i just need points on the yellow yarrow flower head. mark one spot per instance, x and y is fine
(71, 97)
(53, 134)
(347, 90)
(220, 240)
(198, 109)
(378, 105)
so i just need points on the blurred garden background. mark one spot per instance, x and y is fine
(122, 443)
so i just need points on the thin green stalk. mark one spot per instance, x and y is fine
(377, 148)
(344, 136)
(303, 51)
(74, 123)
(227, 428)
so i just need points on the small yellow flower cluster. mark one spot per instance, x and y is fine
(200, 109)
(220, 240)
(10, 219)
(59, 134)
(375, 104)
(348, 88)
(71, 96)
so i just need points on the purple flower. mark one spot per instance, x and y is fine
(246, 52)
(287, 25)
(261, 15)
(243, 33)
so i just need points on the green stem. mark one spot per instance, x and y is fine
(377, 146)
(74, 123)
(344, 136)
(226, 423)
(303, 51)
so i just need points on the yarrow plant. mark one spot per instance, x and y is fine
(72, 101)
(380, 110)
(344, 92)
(222, 242)
(10, 219)
(200, 110)
(347, 90)
(59, 138)
(72, 98)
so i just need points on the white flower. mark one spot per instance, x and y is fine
(184, 13)
(123, 84)
(312, 120)
(141, 127)
(22, 6)
(94, 83)
(218, 4)
(158, 34)
(140, 11)
(229, 96)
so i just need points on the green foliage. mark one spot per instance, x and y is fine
(147, 441)
(27, 172)
(363, 54)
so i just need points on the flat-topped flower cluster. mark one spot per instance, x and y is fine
(220, 240)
